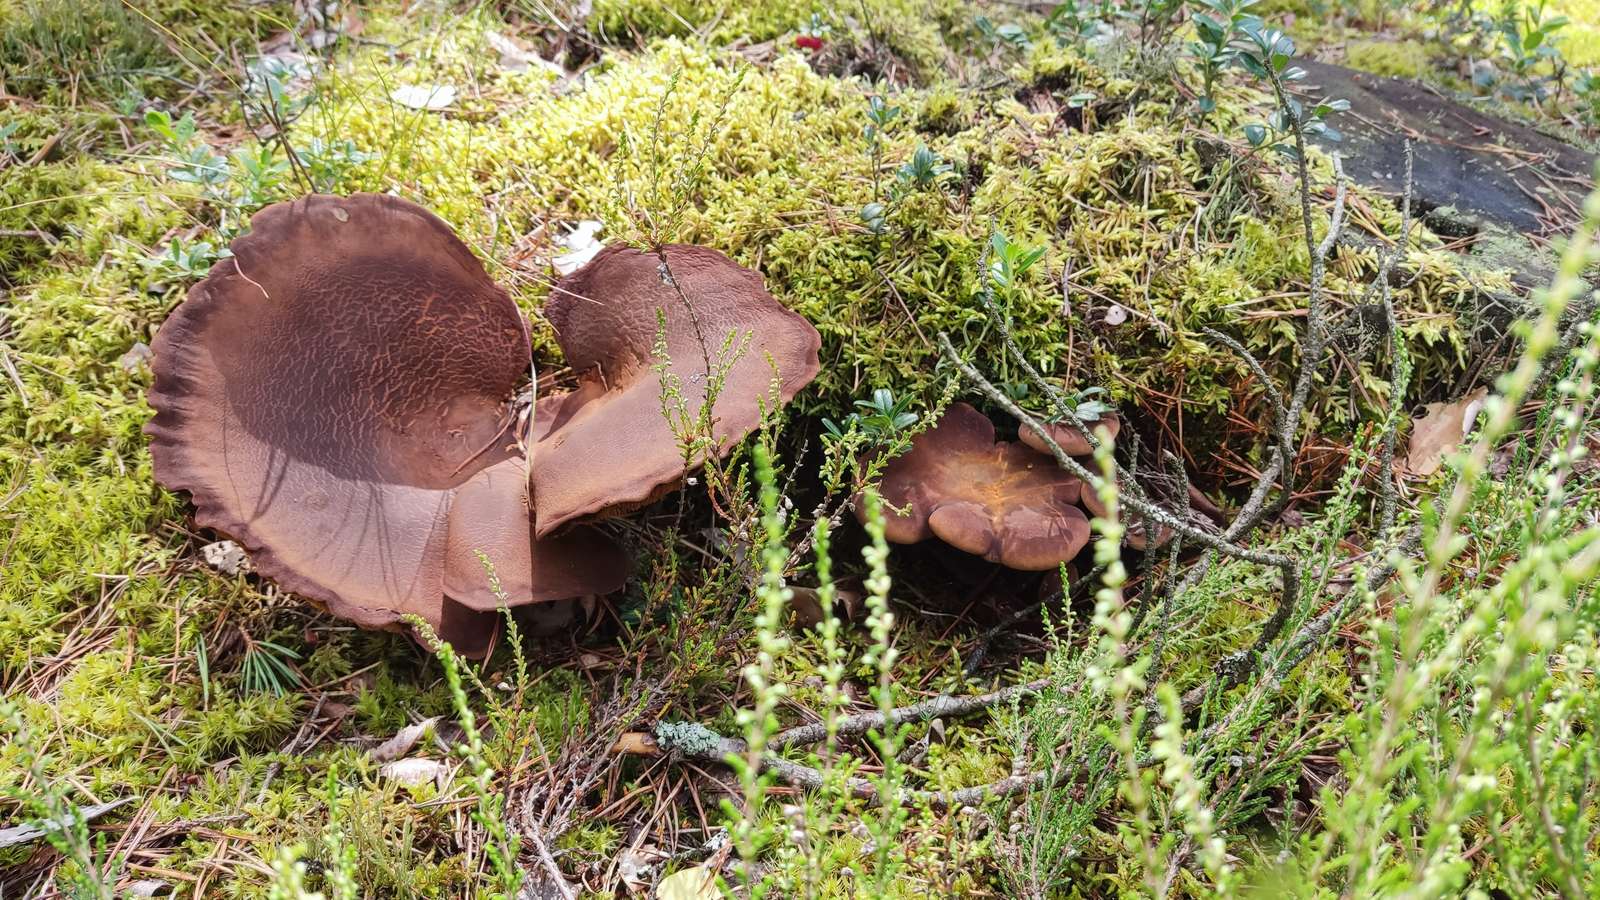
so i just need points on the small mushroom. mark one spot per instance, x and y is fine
(608, 446)
(998, 500)
(1067, 436)
(336, 398)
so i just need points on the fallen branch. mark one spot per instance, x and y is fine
(693, 741)
(690, 740)
(941, 706)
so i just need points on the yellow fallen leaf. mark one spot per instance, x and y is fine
(1439, 430)
(695, 883)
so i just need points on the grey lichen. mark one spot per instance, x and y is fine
(688, 738)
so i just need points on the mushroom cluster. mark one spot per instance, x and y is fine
(1005, 501)
(339, 398)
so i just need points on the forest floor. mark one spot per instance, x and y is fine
(195, 731)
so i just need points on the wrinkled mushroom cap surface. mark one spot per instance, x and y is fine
(1067, 436)
(1001, 501)
(334, 397)
(608, 445)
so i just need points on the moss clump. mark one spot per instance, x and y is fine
(913, 31)
(1402, 59)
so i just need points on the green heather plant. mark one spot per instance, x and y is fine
(501, 845)
(760, 721)
(887, 739)
(46, 803)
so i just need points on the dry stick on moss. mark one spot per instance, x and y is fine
(1316, 338)
(1290, 413)
(1399, 361)
(693, 741)
(1282, 456)
(933, 708)
(1256, 506)
(1174, 548)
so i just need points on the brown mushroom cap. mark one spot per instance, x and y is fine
(335, 398)
(1067, 436)
(1000, 501)
(607, 445)
(1133, 525)
(490, 515)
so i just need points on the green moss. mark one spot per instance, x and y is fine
(1404, 59)
(912, 31)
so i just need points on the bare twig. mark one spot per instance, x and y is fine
(1174, 547)
(1399, 361)
(701, 744)
(937, 707)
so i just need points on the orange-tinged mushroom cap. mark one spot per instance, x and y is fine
(609, 444)
(335, 398)
(1000, 501)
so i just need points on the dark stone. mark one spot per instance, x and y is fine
(1477, 165)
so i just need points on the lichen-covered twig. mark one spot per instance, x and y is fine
(690, 740)
(1399, 362)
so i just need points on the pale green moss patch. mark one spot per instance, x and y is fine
(1403, 58)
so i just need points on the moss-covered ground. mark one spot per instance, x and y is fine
(135, 668)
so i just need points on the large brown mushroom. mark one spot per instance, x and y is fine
(336, 398)
(998, 500)
(609, 446)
